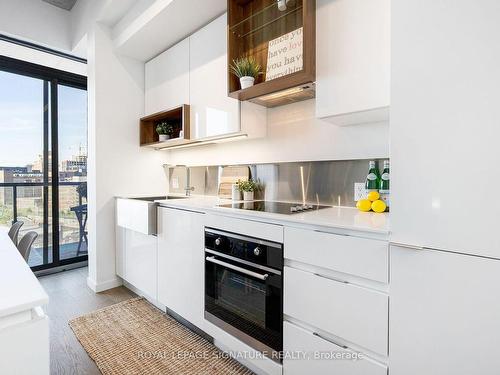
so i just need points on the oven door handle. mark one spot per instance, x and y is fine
(239, 269)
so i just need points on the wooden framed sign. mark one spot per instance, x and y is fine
(285, 55)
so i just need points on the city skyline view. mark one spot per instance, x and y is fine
(21, 120)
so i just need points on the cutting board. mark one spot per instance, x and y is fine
(230, 175)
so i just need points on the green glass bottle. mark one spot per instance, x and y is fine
(384, 185)
(373, 178)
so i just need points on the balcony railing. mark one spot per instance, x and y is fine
(32, 203)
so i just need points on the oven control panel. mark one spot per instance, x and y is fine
(254, 250)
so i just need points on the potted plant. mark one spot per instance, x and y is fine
(164, 130)
(248, 188)
(247, 70)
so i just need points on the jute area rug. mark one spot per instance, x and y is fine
(134, 337)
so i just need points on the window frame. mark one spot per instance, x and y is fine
(52, 79)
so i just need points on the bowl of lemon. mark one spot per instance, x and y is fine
(372, 203)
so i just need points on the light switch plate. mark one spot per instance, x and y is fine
(359, 191)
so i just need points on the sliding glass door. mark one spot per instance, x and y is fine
(23, 125)
(43, 160)
(72, 156)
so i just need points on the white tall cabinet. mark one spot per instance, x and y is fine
(444, 306)
(445, 125)
(212, 111)
(181, 263)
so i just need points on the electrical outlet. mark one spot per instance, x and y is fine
(175, 183)
(359, 191)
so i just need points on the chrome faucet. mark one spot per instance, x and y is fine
(188, 189)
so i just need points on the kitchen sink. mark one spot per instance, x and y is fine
(152, 199)
(139, 213)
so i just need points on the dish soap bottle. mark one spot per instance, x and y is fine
(373, 178)
(384, 184)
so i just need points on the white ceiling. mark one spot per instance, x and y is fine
(63, 4)
(158, 25)
(115, 11)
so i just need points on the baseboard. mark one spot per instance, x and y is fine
(105, 285)
(189, 325)
(140, 293)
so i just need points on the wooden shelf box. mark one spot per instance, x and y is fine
(178, 117)
(252, 24)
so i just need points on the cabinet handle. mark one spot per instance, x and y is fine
(331, 278)
(330, 341)
(406, 246)
(333, 234)
(239, 269)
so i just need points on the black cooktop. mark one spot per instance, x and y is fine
(274, 207)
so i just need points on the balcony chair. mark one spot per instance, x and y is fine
(25, 244)
(14, 231)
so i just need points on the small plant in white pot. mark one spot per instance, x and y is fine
(247, 70)
(164, 130)
(248, 188)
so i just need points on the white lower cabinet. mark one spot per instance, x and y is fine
(445, 313)
(361, 257)
(354, 313)
(314, 355)
(136, 260)
(181, 263)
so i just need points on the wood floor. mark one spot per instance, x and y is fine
(70, 297)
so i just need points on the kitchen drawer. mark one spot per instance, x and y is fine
(299, 340)
(356, 256)
(264, 231)
(354, 313)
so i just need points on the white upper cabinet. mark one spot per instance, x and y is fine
(167, 79)
(445, 125)
(212, 111)
(353, 52)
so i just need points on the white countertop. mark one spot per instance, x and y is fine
(19, 288)
(342, 218)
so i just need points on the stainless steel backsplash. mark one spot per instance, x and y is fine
(326, 182)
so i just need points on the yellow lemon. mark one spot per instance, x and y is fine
(373, 196)
(364, 205)
(378, 206)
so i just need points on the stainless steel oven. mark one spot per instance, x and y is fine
(244, 288)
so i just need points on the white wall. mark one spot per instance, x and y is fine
(117, 166)
(82, 18)
(294, 134)
(36, 21)
(86, 13)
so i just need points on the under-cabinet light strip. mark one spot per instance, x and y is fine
(206, 142)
